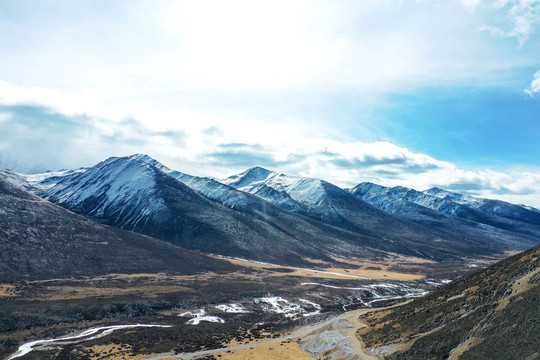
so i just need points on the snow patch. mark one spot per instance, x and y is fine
(279, 305)
(232, 308)
(372, 293)
(200, 315)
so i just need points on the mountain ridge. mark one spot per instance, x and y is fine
(391, 199)
(261, 214)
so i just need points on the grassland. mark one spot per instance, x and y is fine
(42, 309)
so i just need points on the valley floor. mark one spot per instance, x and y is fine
(249, 314)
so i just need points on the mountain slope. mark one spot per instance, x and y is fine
(328, 203)
(406, 203)
(489, 206)
(134, 194)
(492, 314)
(270, 217)
(522, 220)
(41, 240)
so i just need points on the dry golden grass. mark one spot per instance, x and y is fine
(391, 260)
(159, 277)
(377, 274)
(458, 351)
(7, 290)
(401, 346)
(76, 292)
(112, 352)
(276, 350)
(268, 336)
(332, 273)
(141, 276)
(519, 286)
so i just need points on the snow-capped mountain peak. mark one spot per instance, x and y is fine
(368, 187)
(285, 191)
(116, 187)
(149, 160)
(249, 177)
(452, 196)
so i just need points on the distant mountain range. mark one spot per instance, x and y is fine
(263, 215)
(494, 213)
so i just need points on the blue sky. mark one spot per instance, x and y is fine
(414, 93)
(477, 127)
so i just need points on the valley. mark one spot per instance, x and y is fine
(204, 310)
(132, 260)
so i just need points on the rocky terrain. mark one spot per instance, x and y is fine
(64, 276)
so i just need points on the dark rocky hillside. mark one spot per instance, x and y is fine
(41, 240)
(395, 219)
(492, 314)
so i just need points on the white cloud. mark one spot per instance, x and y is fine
(69, 103)
(49, 141)
(4, 117)
(524, 16)
(184, 47)
(534, 88)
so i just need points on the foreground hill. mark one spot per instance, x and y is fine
(492, 314)
(41, 240)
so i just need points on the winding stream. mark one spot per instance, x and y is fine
(90, 334)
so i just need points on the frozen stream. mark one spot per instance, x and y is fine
(90, 334)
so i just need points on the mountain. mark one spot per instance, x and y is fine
(489, 206)
(18, 179)
(258, 214)
(407, 203)
(328, 203)
(133, 194)
(41, 240)
(495, 215)
(492, 314)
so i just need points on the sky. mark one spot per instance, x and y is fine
(412, 93)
